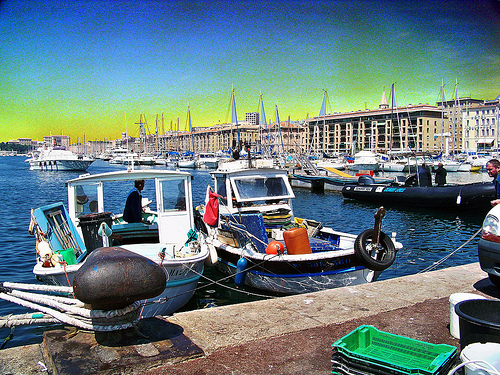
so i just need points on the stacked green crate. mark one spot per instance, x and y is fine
(366, 350)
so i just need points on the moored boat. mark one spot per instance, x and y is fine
(57, 158)
(448, 197)
(260, 241)
(166, 236)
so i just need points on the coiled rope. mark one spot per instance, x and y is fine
(63, 309)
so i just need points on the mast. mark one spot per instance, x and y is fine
(190, 128)
(455, 105)
(443, 100)
(279, 129)
(234, 117)
(322, 112)
(264, 121)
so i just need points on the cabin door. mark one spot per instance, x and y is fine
(174, 206)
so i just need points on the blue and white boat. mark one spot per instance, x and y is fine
(259, 240)
(166, 236)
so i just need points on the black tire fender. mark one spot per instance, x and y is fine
(375, 259)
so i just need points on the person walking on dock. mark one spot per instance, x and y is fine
(440, 175)
(493, 169)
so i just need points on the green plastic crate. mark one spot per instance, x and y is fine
(403, 354)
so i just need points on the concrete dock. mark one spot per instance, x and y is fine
(287, 335)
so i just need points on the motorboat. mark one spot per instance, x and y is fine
(57, 158)
(166, 236)
(452, 196)
(207, 160)
(259, 240)
(365, 160)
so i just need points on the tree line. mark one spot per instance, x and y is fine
(5, 146)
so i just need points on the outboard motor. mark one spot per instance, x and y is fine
(366, 180)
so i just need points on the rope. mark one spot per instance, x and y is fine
(66, 310)
(437, 263)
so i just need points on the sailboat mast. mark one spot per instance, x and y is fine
(190, 128)
(263, 120)
(279, 129)
(234, 118)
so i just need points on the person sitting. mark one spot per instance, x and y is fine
(133, 206)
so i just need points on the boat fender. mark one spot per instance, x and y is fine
(212, 258)
(241, 265)
(104, 230)
(275, 247)
(376, 259)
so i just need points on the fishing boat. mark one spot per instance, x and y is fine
(258, 239)
(449, 197)
(166, 236)
(57, 158)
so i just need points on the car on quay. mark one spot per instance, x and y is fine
(489, 245)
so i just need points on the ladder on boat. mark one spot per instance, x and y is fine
(62, 231)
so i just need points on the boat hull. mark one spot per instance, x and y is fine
(182, 278)
(60, 165)
(295, 274)
(461, 197)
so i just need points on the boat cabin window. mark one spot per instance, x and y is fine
(86, 199)
(220, 183)
(260, 188)
(174, 195)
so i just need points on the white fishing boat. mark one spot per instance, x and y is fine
(166, 236)
(260, 241)
(57, 158)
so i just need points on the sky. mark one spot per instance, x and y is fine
(89, 69)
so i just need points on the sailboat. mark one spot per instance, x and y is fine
(387, 163)
(187, 160)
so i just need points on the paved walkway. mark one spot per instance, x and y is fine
(287, 335)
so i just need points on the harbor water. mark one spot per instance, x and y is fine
(427, 236)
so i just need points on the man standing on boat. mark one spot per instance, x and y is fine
(133, 207)
(440, 175)
(493, 169)
(424, 176)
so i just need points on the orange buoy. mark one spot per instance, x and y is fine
(274, 246)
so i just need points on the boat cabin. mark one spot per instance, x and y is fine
(102, 197)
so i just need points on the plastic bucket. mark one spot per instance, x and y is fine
(488, 352)
(479, 321)
(68, 255)
(454, 321)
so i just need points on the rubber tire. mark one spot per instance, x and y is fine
(386, 253)
(495, 280)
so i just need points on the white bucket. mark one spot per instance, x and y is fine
(488, 352)
(454, 299)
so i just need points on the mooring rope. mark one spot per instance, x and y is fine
(446, 257)
(65, 310)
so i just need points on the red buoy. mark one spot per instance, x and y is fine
(274, 246)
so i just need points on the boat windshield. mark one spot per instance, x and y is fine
(260, 188)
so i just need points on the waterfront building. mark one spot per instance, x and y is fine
(452, 131)
(480, 123)
(57, 140)
(252, 118)
(385, 129)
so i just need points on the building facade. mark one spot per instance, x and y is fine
(480, 124)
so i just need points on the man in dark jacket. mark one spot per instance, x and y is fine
(133, 207)
(440, 175)
(493, 169)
